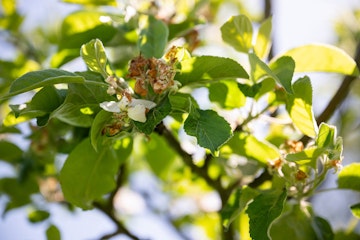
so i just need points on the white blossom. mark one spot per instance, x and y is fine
(136, 108)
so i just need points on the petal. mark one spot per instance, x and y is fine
(137, 113)
(124, 103)
(146, 103)
(111, 106)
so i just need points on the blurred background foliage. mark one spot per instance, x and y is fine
(56, 44)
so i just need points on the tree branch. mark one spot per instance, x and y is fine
(187, 158)
(108, 208)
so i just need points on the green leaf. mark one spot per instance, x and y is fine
(82, 26)
(93, 2)
(87, 175)
(36, 216)
(298, 223)
(226, 94)
(308, 156)
(263, 39)
(38, 79)
(93, 53)
(237, 202)
(355, 209)
(9, 152)
(182, 102)
(247, 145)
(63, 56)
(299, 107)
(159, 155)
(262, 212)
(205, 68)
(237, 32)
(53, 233)
(41, 105)
(322, 228)
(82, 104)
(322, 58)
(284, 68)
(326, 137)
(210, 129)
(349, 177)
(259, 69)
(153, 38)
(154, 117)
(97, 127)
(19, 192)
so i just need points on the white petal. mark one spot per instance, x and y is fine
(146, 103)
(124, 103)
(137, 113)
(111, 106)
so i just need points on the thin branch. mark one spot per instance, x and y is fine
(121, 229)
(187, 158)
(108, 207)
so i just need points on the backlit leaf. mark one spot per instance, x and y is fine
(322, 58)
(299, 107)
(237, 202)
(237, 32)
(248, 146)
(263, 39)
(259, 69)
(153, 38)
(205, 68)
(283, 68)
(226, 94)
(82, 26)
(355, 209)
(326, 136)
(93, 53)
(38, 215)
(349, 177)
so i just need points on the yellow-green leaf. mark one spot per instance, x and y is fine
(349, 177)
(322, 58)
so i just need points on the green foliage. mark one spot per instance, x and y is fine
(97, 171)
(299, 106)
(238, 33)
(208, 127)
(204, 68)
(53, 233)
(333, 59)
(349, 177)
(153, 37)
(130, 111)
(265, 208)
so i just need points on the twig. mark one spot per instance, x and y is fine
(108, 208)
(187, 158)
